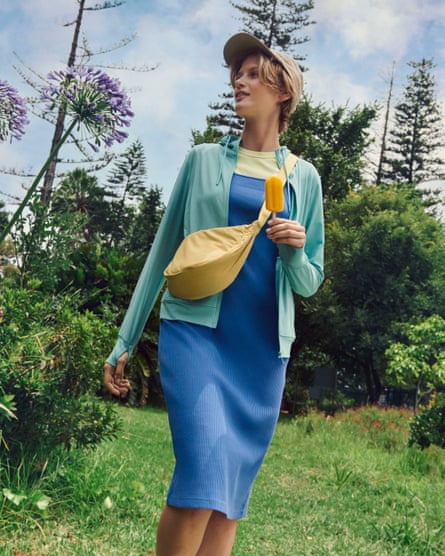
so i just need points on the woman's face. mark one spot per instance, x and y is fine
(254, 99)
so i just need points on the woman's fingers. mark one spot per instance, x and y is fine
(290, 232)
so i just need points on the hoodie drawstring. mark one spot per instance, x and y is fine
(221, 164)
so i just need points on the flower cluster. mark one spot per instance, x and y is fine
(12, 113)
(93, 99)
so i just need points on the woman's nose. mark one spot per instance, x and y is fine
(239, 79)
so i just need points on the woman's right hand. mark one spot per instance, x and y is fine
(114, 377)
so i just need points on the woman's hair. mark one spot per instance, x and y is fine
(282, 75)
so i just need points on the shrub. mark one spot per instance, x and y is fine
(428, 427)
(51, 359)
(333, 401)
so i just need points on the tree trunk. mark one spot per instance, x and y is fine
(385, 129)
(373, 384)
(48, 180)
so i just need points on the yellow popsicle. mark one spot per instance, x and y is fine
(274, 194)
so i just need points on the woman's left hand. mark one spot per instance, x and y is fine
(289, 232)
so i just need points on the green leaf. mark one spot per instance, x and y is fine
(16, 499)
(43, 502)
(7, 411)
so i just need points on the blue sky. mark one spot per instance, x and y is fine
(350, 54)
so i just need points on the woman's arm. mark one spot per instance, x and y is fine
(301, 241)
(151, 279)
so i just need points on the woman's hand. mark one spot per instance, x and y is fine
(289, 232)
(114, 377)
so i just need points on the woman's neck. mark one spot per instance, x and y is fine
(260, 138)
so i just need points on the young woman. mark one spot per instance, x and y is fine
(223, 358)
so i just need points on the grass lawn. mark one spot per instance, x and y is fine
(343, 486)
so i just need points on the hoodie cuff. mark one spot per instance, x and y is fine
(120, 348)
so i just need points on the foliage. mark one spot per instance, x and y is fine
(334, 140)
(85, 244)
(333, 401)
(385, 265)
(420, 361)
(85, 247)
(60, 253)
(428, 427)
(7, 409)
(44, 243)
(127, 176)
(23, 495)
(144, 226)
(51, 359)
(79, 193)
(126, 187)
(417, 132)
(300, 376)
(101, 275)
(3, 222)
(212, 134)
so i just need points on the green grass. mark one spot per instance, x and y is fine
(340, 486)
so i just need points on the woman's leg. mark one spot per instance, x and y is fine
(219, 536)
(181, 531)
(194, 532)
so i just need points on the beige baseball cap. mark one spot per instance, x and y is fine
(242, 44)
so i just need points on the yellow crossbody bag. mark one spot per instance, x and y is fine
(208, 261)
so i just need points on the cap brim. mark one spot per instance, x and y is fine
(242, 44)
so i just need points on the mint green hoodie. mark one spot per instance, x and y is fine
(199, 200)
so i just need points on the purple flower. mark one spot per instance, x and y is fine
(12, 113)
(93, 99)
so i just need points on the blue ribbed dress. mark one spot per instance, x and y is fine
(223, 386)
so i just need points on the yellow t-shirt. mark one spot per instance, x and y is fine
(256, 164)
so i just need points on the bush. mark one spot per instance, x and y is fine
(333, 401)
(51, 359)
(428, 427)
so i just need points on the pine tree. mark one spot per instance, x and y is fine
(141, 233)
(417, 132)
(127, 178)
(126, 186)
(278, 24)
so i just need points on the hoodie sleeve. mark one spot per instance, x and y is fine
(304, 267)
(168, 237)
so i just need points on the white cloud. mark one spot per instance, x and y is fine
(376, 26)
(324, 83)
(189, 53)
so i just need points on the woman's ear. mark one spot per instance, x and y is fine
(285, 96)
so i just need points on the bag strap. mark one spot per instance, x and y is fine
(284, 173)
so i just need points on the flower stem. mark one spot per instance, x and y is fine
(36, 181)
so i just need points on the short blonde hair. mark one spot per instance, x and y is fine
(282, 74)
